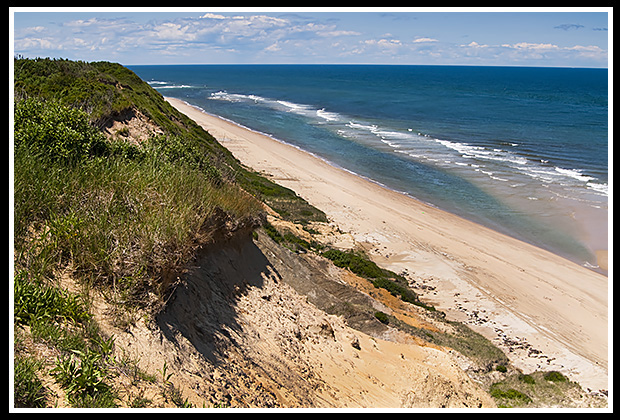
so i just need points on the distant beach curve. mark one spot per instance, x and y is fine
(524, 293)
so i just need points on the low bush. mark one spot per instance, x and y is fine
(382, 317)
(510, 394)
(527, 379)
(56, 132)
(555, 376)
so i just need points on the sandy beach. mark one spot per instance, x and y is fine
(546, 312)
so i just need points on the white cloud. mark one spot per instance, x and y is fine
(474, 44)
(35, 44)
(273, 48)
(212, 16)
(589, 48)
(82, 23)
(533, 53)
(173, 31)
(247, 37)
(34, 29)
(533, 46)
(386, 43)
(424, 40)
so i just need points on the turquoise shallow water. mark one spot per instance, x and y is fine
(521, 150)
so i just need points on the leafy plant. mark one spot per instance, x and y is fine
(57, 132)
(527, 379)
(29, 391)
(84, 379)
(501, 368)
(34, 301)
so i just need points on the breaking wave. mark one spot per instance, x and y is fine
(500, 162)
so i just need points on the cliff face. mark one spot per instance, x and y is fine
(241, 330)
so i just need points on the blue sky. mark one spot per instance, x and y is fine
(573, 37)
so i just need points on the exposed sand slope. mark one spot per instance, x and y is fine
(236, 334)
(526, 294)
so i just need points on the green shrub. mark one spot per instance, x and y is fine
(56, 132)
(355, 262)
(404, 293)
(382, 317)
(528, 379)
(273, 233)
(555, 376)
(510, 394)
(35, 302)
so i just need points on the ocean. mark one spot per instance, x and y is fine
(521, 150)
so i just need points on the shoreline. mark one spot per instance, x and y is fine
(508, 290)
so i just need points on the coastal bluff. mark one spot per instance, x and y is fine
(237, 333)
(182, 275)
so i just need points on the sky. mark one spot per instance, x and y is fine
(573, 37)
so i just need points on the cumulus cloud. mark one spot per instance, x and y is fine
(532, 46)
(257, 37)
(424, 40)
(212, 16)
(474, 44)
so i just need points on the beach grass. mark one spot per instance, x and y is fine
(112, 214)
(537, 389)
(120, 216)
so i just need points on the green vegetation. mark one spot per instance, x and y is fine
(29, 391)
(85, 378)
(501, 368)
(105, 91)
(541, 389)
(120, 216)
(359, 264)
(290, 241)
(382, 317)
(527, 379)
(510, 396)
(555, 376)
(461, 338)
(60, 319)
(115, 214)
(284, 201)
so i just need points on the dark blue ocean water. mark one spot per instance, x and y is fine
(522, 150)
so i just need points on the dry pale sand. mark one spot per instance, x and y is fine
(543, 310)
